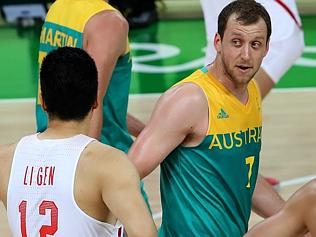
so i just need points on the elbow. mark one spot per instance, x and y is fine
(142, 174)
(136, 162)
(140, 168)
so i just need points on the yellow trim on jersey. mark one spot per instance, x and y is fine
(82, 11)
(227, 115)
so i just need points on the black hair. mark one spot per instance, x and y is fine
(69, 83)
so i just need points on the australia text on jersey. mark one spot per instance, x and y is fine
(235, 139)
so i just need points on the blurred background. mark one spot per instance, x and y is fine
(168, 42)
(167, 39)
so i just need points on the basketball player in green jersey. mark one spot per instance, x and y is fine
(101, 31)
(206, 133)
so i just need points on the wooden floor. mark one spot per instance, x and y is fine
(288, 151)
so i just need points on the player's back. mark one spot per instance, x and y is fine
(40, 199)
(66, 25)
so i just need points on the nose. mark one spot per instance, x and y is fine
(245, 52)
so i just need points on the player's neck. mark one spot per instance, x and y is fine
(239, 90)
(63, 129)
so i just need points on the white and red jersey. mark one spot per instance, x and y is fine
(40, 200)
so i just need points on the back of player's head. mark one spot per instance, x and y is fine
(69, 83)
(247, 12)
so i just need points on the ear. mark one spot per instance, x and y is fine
(267, 47)
(217, 43)
(42, 102)
(95, 104)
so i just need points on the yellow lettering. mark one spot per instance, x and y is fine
(249, 161)
(252, 135)
(70, 41)
(259, 134)
(215, 142)
(43, 34)
(49, 37)
(231, 141)
(62, 38)
(238, 139)
(75, 43)
(57, 40)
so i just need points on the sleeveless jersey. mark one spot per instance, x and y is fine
(40, 191)
(64, 26)
(206, 190)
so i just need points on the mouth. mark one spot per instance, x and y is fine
(244, 68)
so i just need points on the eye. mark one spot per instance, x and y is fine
(236, 42)
(256, 44)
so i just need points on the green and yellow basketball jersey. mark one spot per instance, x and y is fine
(206, 190)
(64, 26)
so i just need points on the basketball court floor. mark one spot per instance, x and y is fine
(163, 54)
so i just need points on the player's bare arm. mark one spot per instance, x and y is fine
(134, 125)
(105, 51)
(119, 182)
(265, 200)
(174, 121)
(104, 178)
(6, 155)
(294, 219)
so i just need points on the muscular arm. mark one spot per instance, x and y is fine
(266, 201)
(121, 193)
(174, 117)
(295, 218)
(135, 126)
(105, 39)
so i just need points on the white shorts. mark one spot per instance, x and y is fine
(286, 42)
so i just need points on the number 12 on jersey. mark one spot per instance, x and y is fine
(45, 229)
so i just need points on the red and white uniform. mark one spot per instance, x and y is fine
(41, 191)
(286, 42)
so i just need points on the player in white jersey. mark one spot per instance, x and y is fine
(62, 182)
(286, 43)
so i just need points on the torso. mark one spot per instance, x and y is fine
(210, 180)
(64, 26)
(45, 179)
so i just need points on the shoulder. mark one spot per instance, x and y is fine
(181, 108)
(6, 157)
(190, 89)
(100, 152)
(7, 152)
(105, 160)
(106, 35)
(186, 95)
(108, 19)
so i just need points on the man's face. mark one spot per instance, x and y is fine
(242, 49)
